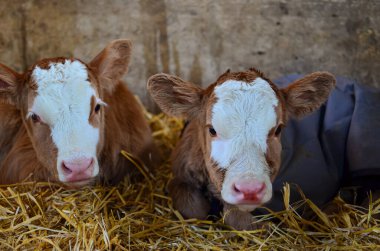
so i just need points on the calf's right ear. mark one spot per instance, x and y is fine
(175, 96)
(8, 85)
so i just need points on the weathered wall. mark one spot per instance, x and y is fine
(198, 40)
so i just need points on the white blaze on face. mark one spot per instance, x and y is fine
(242, 117)
(63, 102)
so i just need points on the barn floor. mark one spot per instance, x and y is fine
(140, 217)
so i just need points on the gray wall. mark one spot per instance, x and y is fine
(198, 40)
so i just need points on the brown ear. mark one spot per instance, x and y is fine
(8, 85)
(175, 96)
(307, 94)
(111, 64)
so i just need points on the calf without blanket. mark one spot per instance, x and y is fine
(67, 121)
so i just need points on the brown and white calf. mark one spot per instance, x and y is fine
(67, 121)
(231, 148)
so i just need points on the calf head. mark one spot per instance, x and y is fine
(239, 120)
(60, 101)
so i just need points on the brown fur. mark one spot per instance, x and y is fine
(309, 93)
(175, 96)
(26, 148)
(196, 176)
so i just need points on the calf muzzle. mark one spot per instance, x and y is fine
(78, 169)
(250, 191)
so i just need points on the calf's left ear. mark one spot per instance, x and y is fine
(111, 64)
(307, 94)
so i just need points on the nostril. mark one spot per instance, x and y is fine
(66, 169)
(91, 162)
(261, 188)
(236, 189)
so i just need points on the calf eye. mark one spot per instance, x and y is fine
(35, 118)
(212, 132)
(278, 130)
(97, 108)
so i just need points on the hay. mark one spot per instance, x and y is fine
(39, 216)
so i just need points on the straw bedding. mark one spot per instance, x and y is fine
(40, 216)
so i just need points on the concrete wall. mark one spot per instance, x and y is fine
(198, 40)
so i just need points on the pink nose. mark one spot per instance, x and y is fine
(78, 169)
(250, 190)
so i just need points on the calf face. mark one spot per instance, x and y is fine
(238, 121)
(60, 102)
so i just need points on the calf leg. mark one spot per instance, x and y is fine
(188, 199)
(240, 220)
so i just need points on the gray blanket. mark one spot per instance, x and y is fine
(337, 145)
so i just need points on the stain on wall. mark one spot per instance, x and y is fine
(154, 38)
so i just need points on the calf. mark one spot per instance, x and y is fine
(231, 148)
(67, 121)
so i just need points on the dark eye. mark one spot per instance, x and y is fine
(35, 118)
(212, 132)
(97, 108)
(278, 130)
